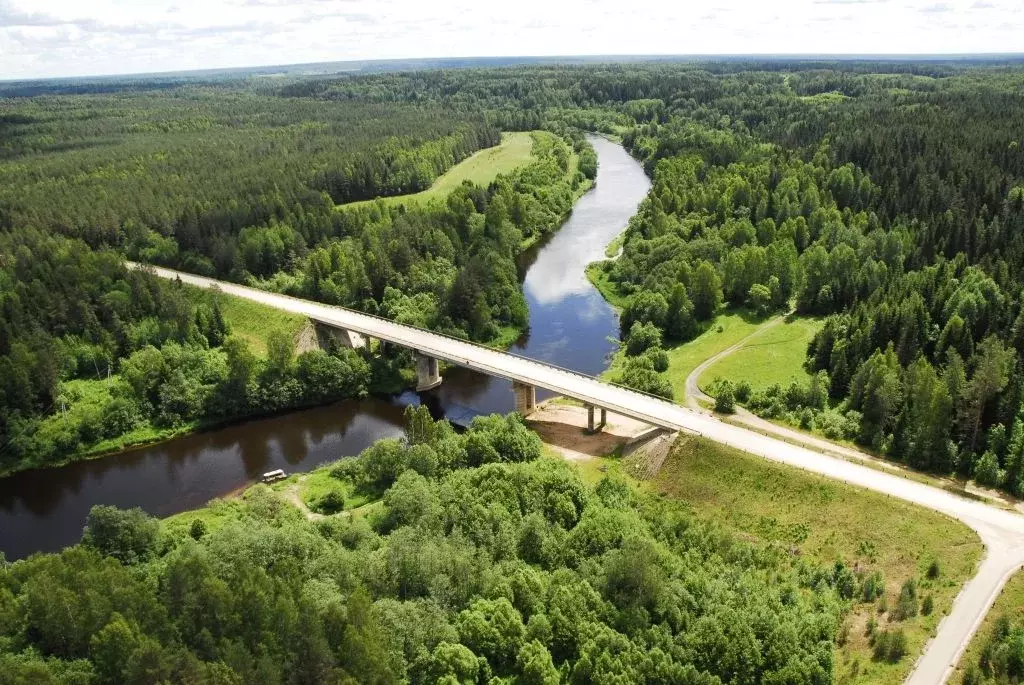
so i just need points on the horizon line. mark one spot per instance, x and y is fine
(611, 58)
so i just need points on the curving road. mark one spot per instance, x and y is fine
(1001, 531)
(1002, 535)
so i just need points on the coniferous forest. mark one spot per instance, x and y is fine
(885, 198)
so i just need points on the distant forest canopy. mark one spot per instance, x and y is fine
(887, 195)
(242, 185)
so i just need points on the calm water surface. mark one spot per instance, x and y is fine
(570, 325)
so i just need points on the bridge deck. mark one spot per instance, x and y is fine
(470, 355)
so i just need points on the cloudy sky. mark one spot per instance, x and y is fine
(89, 37)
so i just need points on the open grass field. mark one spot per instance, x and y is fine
(773, 356)
(728, 328)
(251, 321)
(825, 521)
(1010, 603)
(480, 168)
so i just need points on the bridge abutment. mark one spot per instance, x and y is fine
(526, 398)
(428, 375)
(343, 338)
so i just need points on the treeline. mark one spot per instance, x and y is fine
(196, 165)
(893, 200)
(482, 563)
(156, 357)
(449, 265)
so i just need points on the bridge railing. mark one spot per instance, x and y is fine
(417, 329)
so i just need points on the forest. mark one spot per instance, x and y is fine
(892, 203)
(483, 562)
(252, 187)
(885, 198)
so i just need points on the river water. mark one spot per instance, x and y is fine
(570, 325)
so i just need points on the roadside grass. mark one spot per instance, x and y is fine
(251, 321)
(480, 168)
(1010, 604)
(773, 356)
(825, 521)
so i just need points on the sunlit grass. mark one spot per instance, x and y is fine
(480, 168)
(1010, 603)
(824, 520)
(775, 355)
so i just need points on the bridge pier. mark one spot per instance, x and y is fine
(526, 398)
(428, 376)
(591, 426)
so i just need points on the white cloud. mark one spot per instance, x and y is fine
(72, 38)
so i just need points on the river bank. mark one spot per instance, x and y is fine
(570, 325)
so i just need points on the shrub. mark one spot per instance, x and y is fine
(198, 529)
(987, 471)
(906, 605)
(933, 570)
(639, 374)
(873, 587)
(330, 502)
(725, 399)
(890, 645)
(659, 359)
(743, 392)
(927, 605)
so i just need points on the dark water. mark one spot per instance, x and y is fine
(570, 325)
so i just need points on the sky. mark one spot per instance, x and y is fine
(45, 38)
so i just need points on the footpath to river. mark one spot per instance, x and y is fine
(570, 325)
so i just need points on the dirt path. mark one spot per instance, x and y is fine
(291, 494)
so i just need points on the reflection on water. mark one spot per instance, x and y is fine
(570, 326)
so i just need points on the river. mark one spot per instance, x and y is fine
(570, 325)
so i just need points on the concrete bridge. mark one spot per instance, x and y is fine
(352, 329)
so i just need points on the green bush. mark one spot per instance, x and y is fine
(906, 604)
(889, 645)
(331, 502)
(725, 399)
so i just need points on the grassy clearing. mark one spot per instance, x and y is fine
(825, 521)
(214, 515)
(1010, 603)
(729, 328)
(315, 484)
(609, 291)
(775, 355)
(251, 321)
(480, 168)
(611, 250)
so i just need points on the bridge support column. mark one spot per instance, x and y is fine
(526, 398)
(591, 425)
(428, 376)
